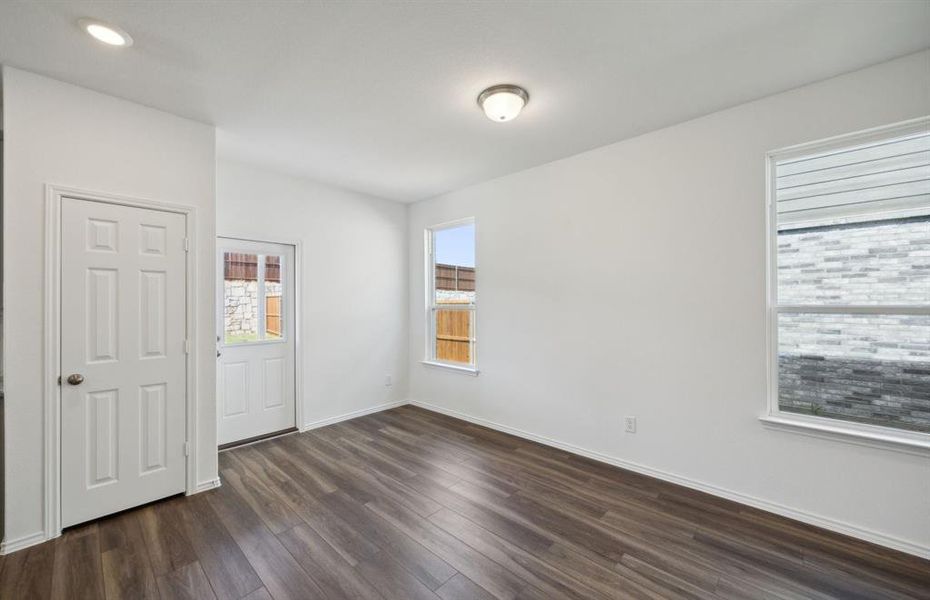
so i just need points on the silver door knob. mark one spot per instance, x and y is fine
(75, 379)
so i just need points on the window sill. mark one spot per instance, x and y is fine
(450, 367)
(853, 433)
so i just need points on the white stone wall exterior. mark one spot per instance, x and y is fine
(241, 307)
(877, 262)
(861, 367)
(241, 304)
(454, 297)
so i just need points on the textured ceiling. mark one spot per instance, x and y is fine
(380, 97)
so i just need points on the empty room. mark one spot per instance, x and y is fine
(465, 300)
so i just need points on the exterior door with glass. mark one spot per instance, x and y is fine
(256, 388)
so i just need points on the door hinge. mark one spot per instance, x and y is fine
(187, 346)
(59, 380)
(187, 448)
(187, 244)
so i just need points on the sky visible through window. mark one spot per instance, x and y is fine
(456, 246)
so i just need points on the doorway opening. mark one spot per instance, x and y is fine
(256, 313)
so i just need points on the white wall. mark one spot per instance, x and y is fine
(354, 288)
(61, 134)
(629, 280)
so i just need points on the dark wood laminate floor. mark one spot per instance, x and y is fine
(408, 504)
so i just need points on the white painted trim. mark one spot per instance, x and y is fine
(298, 315)
(351, 415)
(916, 127)
(298, 338)
(428, 295)
(21, 543)
(51, 492)
(452, 223)
(773, 507)
(465, 370)
(859, 434)
(209, 484)
(51, 390)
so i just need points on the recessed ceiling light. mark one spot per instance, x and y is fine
(503, 102)
(106, 33)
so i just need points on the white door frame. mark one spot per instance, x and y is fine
(52, 340)
(298, 314)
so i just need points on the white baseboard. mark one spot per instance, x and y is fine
(351, 415)
(817, 520)
(209, 484)
(9, 546)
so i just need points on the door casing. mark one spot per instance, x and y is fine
(298, 319)
(52, 338)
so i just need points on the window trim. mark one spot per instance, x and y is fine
(430, 306)
(824, 427)
(464, 369)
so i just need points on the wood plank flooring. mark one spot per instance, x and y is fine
(408, 504)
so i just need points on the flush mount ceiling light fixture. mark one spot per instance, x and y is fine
(106, 33)
(503, 102)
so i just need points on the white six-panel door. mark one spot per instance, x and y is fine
(123, 359)
(255, 339)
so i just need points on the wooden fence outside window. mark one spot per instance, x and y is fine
(273, 316)
(453, 277)
(453, 335)
(454, 328)
(245, 267)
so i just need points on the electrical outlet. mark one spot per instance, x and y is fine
(387, 381)
(629, 424)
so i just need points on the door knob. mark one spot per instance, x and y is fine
(75, 379)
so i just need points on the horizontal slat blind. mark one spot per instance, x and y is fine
(854, 182)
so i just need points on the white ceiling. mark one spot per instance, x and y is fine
(380, 97)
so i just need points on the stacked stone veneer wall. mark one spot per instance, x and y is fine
(241, 305)
(869, 368)
(454, 297)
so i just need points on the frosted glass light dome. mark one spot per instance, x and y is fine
(502, 103)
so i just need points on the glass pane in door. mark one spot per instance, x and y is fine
(274, 315)
(252, 297)
(240, 298)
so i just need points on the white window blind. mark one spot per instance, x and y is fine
(853, 184)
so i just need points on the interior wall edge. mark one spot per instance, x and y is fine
(38, 111)
(352, 284)
(861, 533)
(611, 290)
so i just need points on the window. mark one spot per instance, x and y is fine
(252, 292)
(850, 284)
(451, 290)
